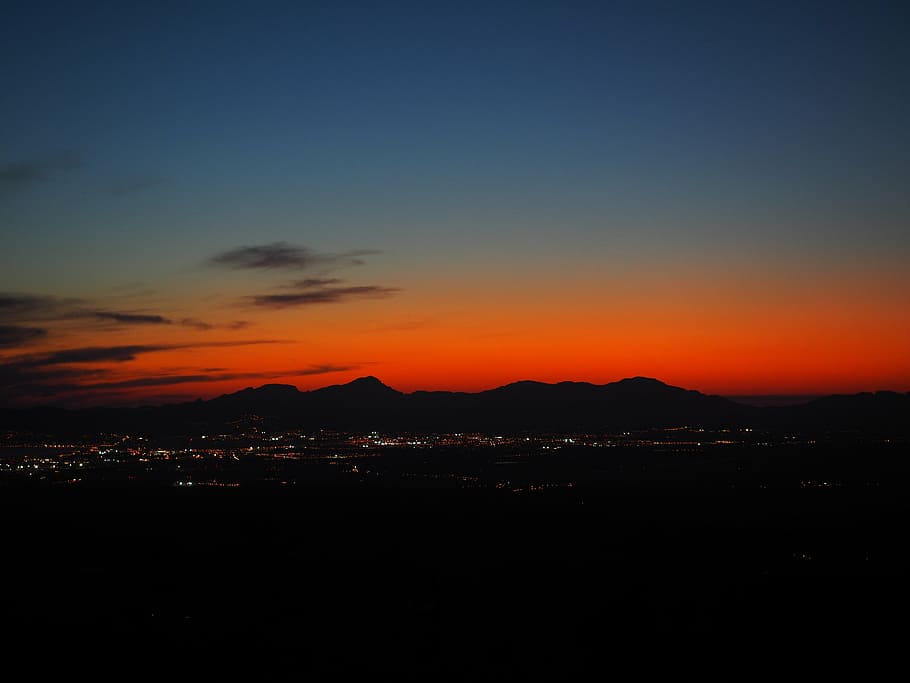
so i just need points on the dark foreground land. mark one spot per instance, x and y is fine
(772, 561)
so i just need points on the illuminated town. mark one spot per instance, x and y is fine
(513, 464)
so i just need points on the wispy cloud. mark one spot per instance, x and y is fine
(23, 380)
(196, 323)
(327, 295)
(20, 311)
(24, 173)
(131, 318)
(17, 307)
(209, 377)
(67, 369)
(94, 354)
(12, 336)
(284, 256)
(18, 302)
(310, 290)
(318, 370)
(76, 384)
(311, 282)
(166, 380)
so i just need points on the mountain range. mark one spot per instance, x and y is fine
(367, 404)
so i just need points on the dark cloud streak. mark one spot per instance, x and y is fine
(15, 335)
(116, 354)
(28, 172)
(319, 370)
(18, 307)
(215, 377)
(158, 381)
(202, 325)
(60, 380)
(90, 354)
(17, 310)
(311, 282)
(284, 256)
(42, 373)
(330, 295)
(131, 318)
(196, 324)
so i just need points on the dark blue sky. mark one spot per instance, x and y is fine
(669, 105)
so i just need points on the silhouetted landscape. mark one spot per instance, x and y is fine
(367, 404)
(531, 531)
(279, 282)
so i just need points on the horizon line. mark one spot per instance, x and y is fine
(760, 400)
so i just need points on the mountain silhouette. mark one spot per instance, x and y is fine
(361, 388)
(367, 404)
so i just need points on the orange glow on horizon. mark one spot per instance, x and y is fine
(748, 336)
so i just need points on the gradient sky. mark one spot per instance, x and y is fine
(199, 197)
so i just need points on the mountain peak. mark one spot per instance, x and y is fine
(523, 383)
(278, 387)
(367, 381)
(362, 386)
(642, 382)
(267, 389)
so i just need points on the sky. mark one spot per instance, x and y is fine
(200, 197)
